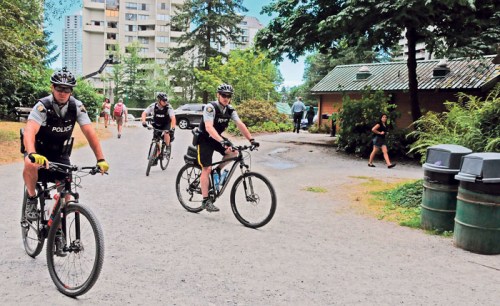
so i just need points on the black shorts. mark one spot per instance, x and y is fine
(206, 148)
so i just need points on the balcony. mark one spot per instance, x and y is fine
(147, 33)
(92, 5)
(93, 28)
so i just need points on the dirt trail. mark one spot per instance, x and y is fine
(315, 251)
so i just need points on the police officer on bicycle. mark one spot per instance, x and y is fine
(163, 117)
(216, 117)
(47, 135)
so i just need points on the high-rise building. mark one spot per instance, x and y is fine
(72, 43)
(249, 26)
(112, 24)
(109, 25)
(420, 49)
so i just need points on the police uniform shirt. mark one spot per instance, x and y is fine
(39, 113)
(150, 109)
(209, 114)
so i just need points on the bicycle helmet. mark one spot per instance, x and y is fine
(63, 77)
(162, 96)
(225, 88)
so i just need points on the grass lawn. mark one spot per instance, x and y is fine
(10, 145)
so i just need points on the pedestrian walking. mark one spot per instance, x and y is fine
(106, 108)
(310, 116)
(298, 109)
(380, 131)
(120, 114)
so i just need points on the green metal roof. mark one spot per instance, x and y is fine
(393, 76)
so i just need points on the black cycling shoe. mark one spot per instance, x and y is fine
(31, 211)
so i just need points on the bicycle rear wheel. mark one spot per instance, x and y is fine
(165, 157)
(151, 157)
(31, 231)
(76, 272)
(253, 200)
(188, 188)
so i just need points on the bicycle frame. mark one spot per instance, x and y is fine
(237, 160)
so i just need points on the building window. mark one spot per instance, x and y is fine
(163, 17)
(112, 25)
(162, 39)
(174, 39)
(162, 28)
(111, 35)
(129, 16)
(110, 13)
(142, 17)
(143, 6)
(143, 40)
(129, 38)
(162, 6)
(131, 28)
(131, 5)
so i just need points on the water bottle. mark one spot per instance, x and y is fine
(223, 176)
(216, 180)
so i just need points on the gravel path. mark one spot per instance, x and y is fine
(316, 250)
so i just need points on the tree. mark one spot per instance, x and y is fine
(451, 25)
(22, 49)
(137, 79)
(207, 24)
(252, 75)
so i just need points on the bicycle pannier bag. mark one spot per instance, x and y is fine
(196, 134)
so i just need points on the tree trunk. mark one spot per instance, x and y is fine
(411, 36)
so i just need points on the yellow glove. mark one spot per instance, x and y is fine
(38, 159)
(103, 165)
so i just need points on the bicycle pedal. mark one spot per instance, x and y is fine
(24, 224)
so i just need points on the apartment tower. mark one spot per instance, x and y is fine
(72, 44)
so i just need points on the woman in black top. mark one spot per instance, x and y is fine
(380, 130)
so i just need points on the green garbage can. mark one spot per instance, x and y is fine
(477, 221)
(440, 187)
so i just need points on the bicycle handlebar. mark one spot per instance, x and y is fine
(150, 127)
(58, 167)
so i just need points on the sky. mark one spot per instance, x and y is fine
(291, 72)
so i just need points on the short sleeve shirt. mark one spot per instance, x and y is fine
(210, 116)
(151, 108)
(39, 114)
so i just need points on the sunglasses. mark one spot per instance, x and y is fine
(63, 89)
(226, 96)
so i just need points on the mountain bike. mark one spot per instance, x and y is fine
(253, 199)
(158, 149)
(75, 241)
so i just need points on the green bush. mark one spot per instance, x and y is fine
(260, 116)
(357, 118)
(469, 122)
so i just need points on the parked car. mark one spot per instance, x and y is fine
(189, 115)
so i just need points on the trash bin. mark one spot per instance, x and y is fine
(439, 197)
(477, 222)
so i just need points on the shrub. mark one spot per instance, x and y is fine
(357, 118)
(469, 122)
(260, 116)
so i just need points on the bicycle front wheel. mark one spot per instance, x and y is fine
(75, 250)
(188, 188)
(165, 156)
(253, 200)
(31, 231)
(151, 157)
